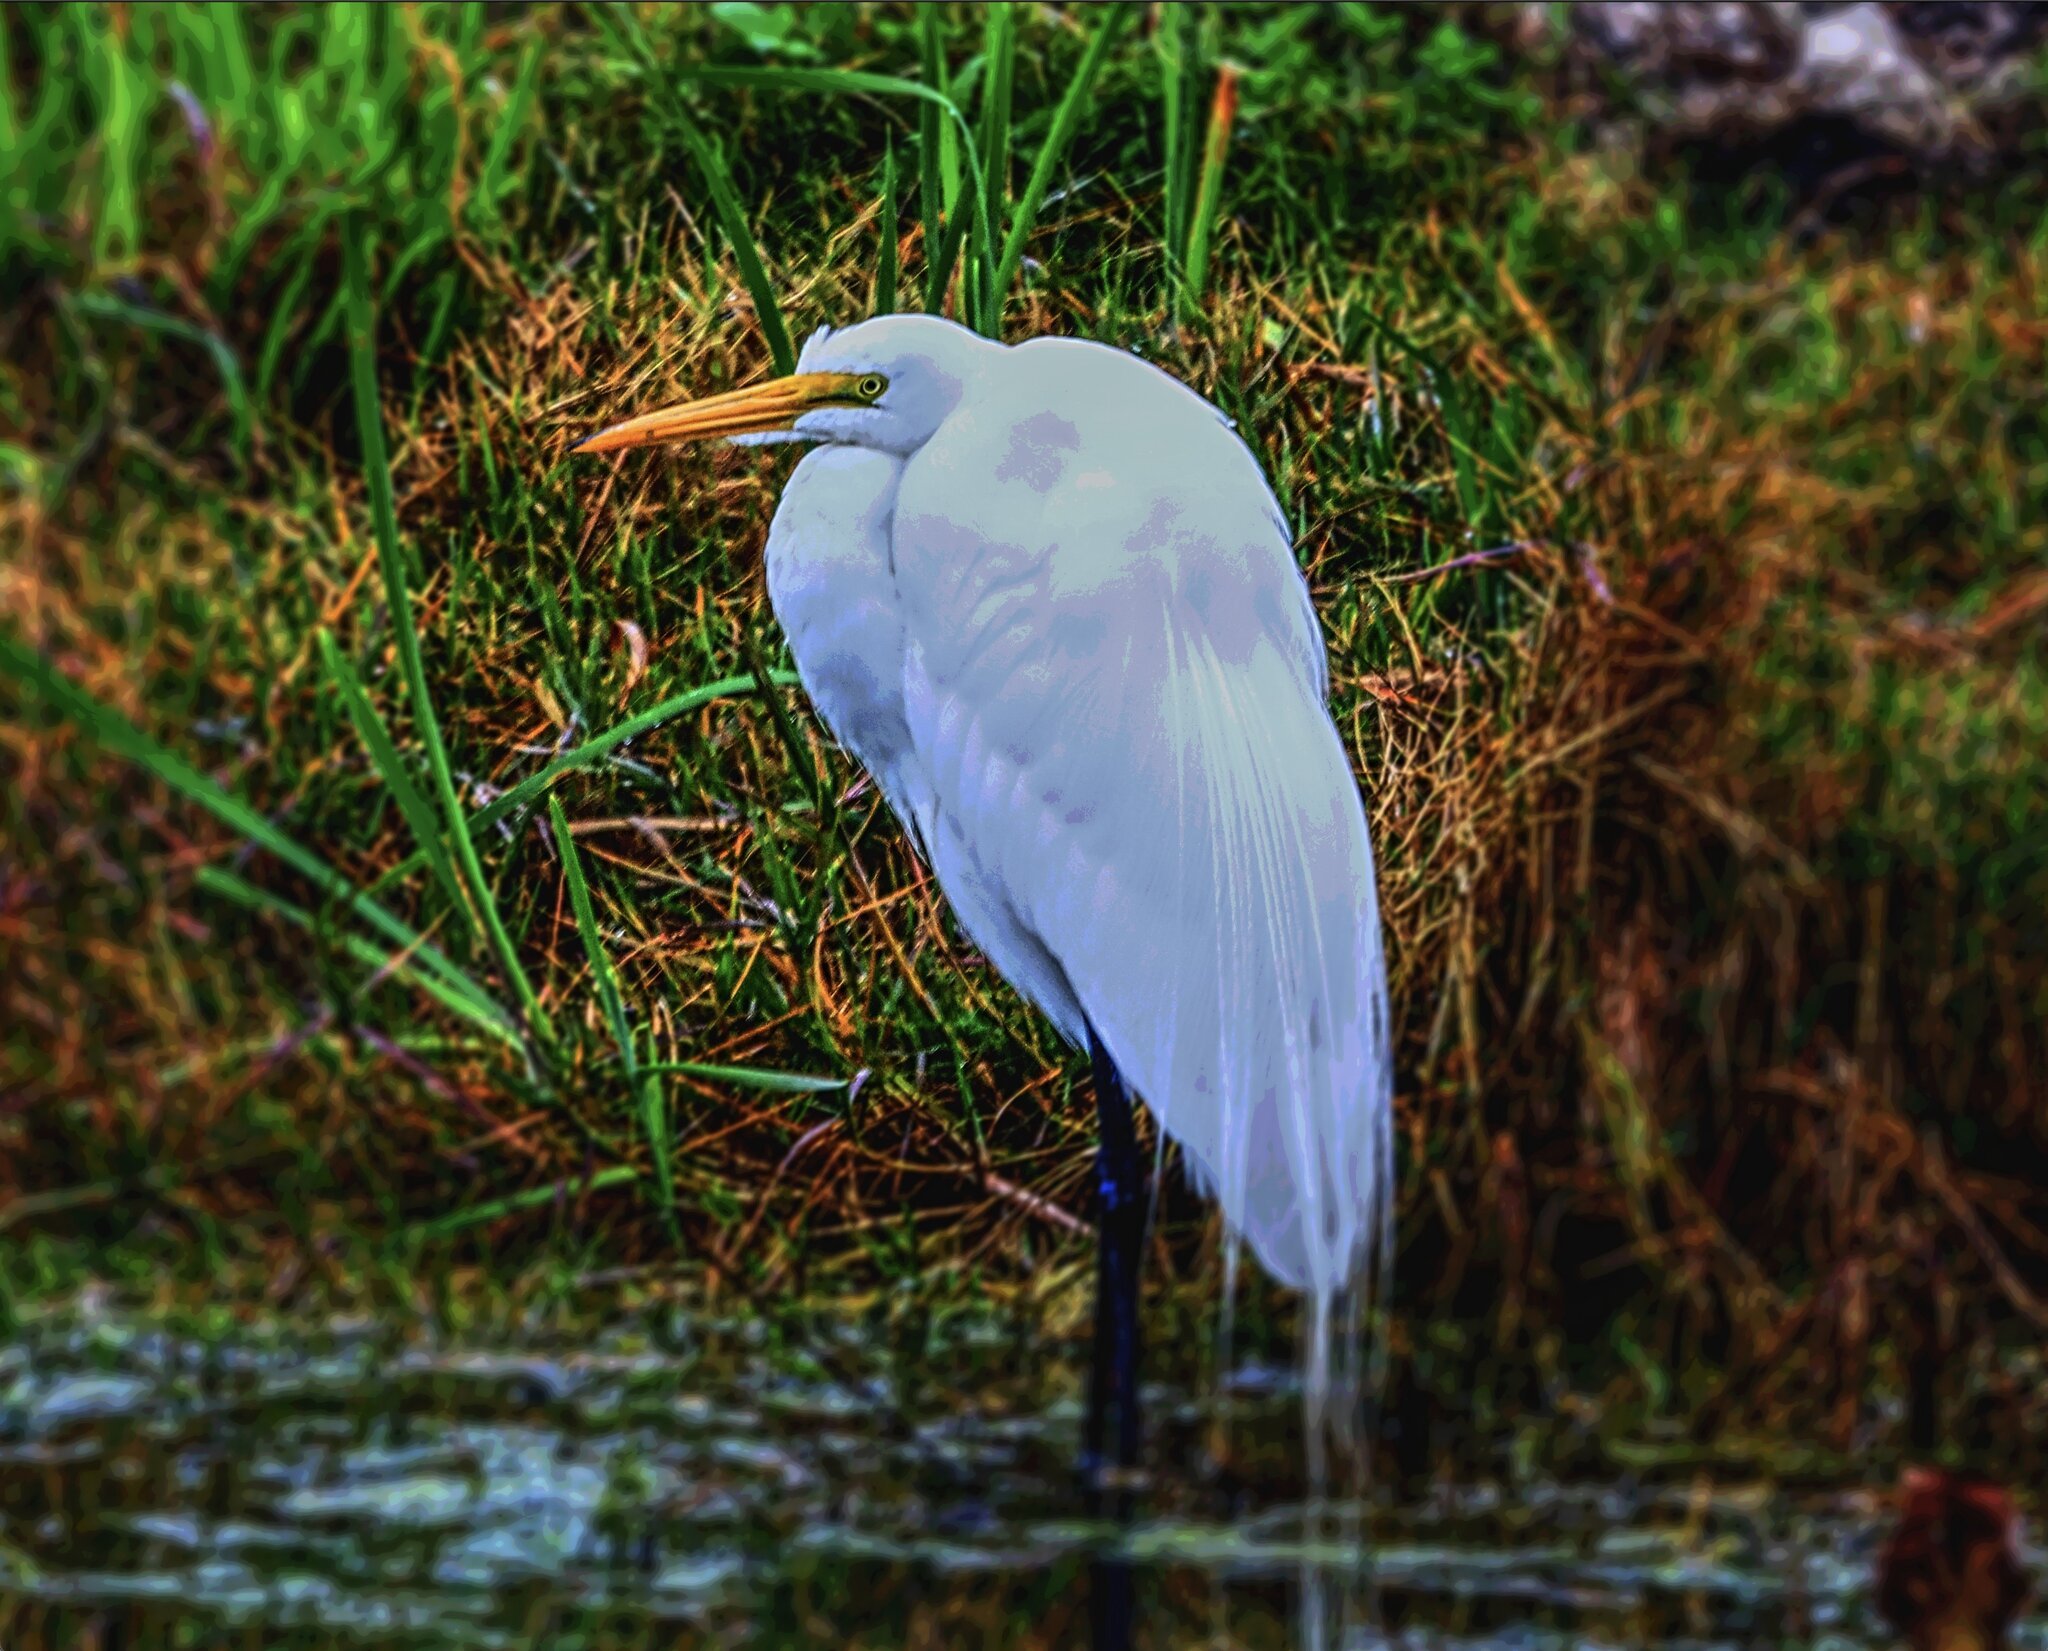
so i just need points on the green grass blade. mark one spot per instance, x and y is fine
(476, 1215)
(390, 765)
(283, 319)
(885, 261)
(114, 731)
(608, 998)
(750, 1077)
(930, 196)
(536, 785)
(239, 1053)
(840, 82)
(232, 62)
(998, 76)
(732, 218)
(937, 208)
(172, 326)
(591, 750)
(10, 120)
(486, 1015)
(492, 179)
(1065, 119)
(646, 1092)
(124, 90)
(857, 82)
(1222, 115)
(1176, 51)
(391, 560)
(801, 758)
(624, 29)
(949, 252)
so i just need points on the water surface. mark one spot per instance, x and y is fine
(338, 1489)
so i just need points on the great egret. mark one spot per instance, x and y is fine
(1045, 596)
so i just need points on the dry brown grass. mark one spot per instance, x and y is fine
(1700, 972)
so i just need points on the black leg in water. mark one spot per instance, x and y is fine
(1110, 1446)
(1110, 1443)
(1112, 1605)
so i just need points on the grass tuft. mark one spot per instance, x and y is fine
(1679, 560)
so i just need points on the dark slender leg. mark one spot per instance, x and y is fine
(1110, 1442)
(1111, 1438)
(1112, 1605)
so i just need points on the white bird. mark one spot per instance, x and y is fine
(1045, 596)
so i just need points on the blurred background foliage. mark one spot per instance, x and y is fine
(1680, 549)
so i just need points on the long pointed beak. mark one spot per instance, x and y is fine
(753, 411)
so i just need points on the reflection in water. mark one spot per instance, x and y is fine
(1112, 1582)
(1112, 1604)
(156, 1491)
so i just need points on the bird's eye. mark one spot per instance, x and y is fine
(871, 387)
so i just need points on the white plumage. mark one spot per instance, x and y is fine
(1045, 596)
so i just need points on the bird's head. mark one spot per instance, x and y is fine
(886, 384)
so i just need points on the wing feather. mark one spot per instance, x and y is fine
(1142, 811)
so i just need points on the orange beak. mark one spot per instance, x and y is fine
(756, 410)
